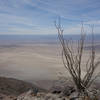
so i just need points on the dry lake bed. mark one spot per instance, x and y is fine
(33, 61)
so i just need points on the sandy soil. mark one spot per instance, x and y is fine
(33, 62)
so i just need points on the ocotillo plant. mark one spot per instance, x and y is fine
(73, 61)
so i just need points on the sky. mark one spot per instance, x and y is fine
(38, 16)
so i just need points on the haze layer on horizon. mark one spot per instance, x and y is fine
(38, 16)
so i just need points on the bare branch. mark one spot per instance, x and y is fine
(73, 62)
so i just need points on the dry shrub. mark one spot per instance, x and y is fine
(73, 61)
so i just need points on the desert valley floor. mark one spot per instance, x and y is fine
(33, 62)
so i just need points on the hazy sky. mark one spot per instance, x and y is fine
(38, 16)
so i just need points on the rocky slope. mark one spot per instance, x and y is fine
(41, 96)
(56, 96)
(11, 88)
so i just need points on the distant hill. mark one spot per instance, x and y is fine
(10, 86)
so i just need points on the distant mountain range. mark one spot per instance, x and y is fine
(42, 38)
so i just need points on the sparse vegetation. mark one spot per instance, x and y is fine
(72, 61)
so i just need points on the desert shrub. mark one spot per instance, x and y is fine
(72, 61)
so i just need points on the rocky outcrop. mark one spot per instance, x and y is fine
(40, 96)
(7, 97)
(57, 93)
